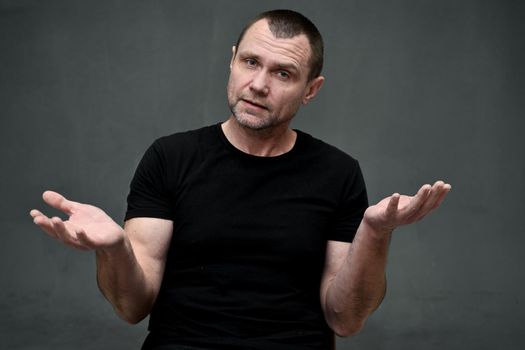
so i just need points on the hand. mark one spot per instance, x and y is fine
(88, 227)
(398, 210)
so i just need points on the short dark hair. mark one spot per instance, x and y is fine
(288, 24)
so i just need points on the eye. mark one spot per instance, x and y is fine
(283, 74)
(250, 62)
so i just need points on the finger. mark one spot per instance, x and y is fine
(433, 197)
(38, 217)
(440, 192)
(85, 240)
(60, 229)
(446, 190)
(43, 222)
(34, 213)
(59, 202)
(80, 243)
(391, 209)
(415, 204)
(65, 234)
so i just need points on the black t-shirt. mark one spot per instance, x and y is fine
(248, 245)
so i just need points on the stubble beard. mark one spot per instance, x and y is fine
(252, 121)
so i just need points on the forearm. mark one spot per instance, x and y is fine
(123, 282)
(359, 286)
(130, 260)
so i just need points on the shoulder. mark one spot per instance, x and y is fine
(186, 138)
(326, 153)
(183, 143)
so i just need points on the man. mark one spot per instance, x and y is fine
(247, 234)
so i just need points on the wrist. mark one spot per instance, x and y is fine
(121, 245)
(378, 233)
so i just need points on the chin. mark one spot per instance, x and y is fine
(252, 122)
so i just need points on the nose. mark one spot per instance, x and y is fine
(259, 83)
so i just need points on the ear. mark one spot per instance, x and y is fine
(234, 50)
(312, 88)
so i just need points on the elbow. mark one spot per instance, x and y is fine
(349, 324)
(130, 317)
(133, 320)
(129, 310)
(348, 329)
(132, 312)
(346, 322)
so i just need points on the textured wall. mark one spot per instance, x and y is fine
(416, 90)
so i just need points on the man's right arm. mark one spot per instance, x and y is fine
(130, 260)
(130, 274)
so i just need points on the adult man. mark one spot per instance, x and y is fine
(241, 235)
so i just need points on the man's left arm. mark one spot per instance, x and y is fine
(353, 282)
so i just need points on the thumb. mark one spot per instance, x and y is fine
(391, 208)
(57, 201)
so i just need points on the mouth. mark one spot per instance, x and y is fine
(253, 103)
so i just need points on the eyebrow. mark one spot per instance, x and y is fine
(285, 66)
(288, 66)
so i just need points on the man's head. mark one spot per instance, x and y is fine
(288, 24)
(275, 68)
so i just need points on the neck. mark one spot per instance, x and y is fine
(269, 142)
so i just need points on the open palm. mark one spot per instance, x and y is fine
(88, 227)
(398, 210)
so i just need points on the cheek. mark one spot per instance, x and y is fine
(289, 99)
(235, 85)
(231, 88)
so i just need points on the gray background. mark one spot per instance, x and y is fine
(416, 90)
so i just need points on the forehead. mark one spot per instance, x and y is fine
(259, 40)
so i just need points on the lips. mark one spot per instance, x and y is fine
(253, 103)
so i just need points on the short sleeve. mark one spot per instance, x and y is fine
(350, 212)
(148, 195)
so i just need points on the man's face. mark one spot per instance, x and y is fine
(269, 78)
